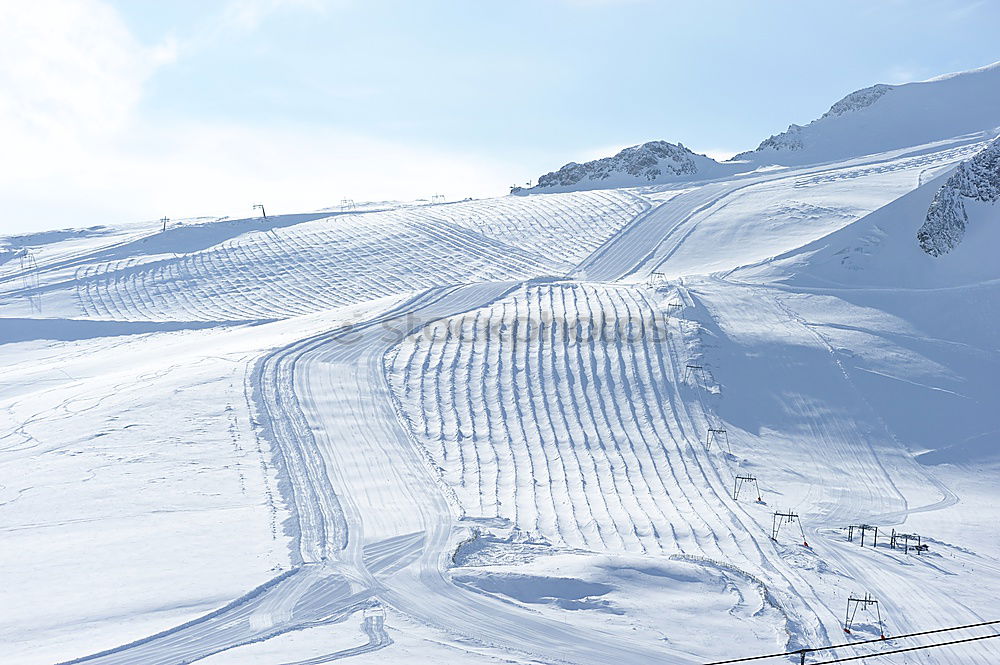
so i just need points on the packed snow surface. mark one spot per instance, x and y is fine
(545, 428)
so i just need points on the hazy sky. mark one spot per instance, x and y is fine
(128, 110)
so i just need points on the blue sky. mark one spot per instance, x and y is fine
(133, 109)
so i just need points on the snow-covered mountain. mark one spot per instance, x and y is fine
(544, 428)
(886, 117)
(650, 163)
(976, 181)
(875, 119)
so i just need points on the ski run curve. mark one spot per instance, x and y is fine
(527, 375)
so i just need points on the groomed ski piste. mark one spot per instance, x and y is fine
(507, 430)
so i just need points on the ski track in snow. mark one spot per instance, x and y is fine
(864, 489)
(504, 388)
(562, 392)
(346, 259)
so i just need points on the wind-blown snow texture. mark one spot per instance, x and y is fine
(977, 179)
(511, 430)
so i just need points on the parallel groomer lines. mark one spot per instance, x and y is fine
(544, 433)
(301, 269)
(328, 263)
(635, 381)
(569, 225)
(552, 408)
(581, 395)
(586, 418)
(598, 382)
(578, 467)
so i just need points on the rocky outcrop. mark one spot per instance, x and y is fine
(649, 162)
(977, 179)
(792, 138)
(858, 100)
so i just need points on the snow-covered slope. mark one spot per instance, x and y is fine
(512, 430)
(918, 330)
(229, 272)
(886, 117)
(954, 215)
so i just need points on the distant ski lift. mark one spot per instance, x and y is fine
(656, 278)
(694, 370)
(27, 258)
(863, 529)
(29, 278)
(717, 434)
(347, 204)
(866, 602)
(437, 198)
(672, 308)
(745, 479)
(786, 517)
(262, 212)
(904, 540)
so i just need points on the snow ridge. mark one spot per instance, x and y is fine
(977, 179)
(648, 162)
(858, 99)
(791, 138)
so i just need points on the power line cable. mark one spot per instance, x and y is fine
(799, 652)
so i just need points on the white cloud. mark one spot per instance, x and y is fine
(69, 68)
(899, 74)
(79, 152)
(248, 15)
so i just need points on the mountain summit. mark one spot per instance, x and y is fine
(875, 119)
(887, 117)
(650, 163)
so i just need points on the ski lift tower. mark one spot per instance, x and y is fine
(854, 604)
(863, 529)
(717, 434)
(786, 517)
(745, 479)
